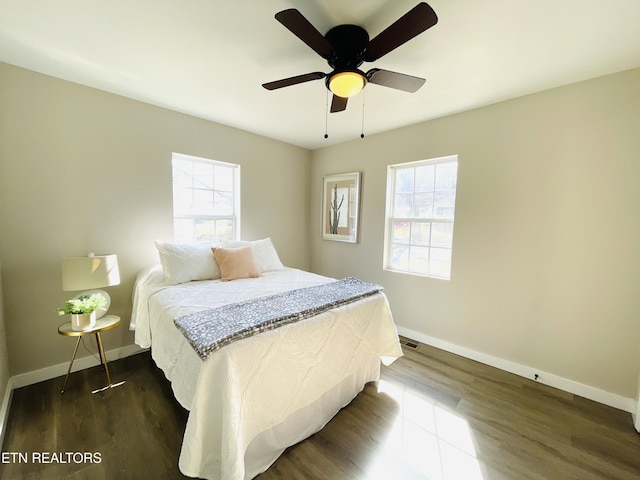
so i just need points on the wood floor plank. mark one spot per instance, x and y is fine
(433, 415)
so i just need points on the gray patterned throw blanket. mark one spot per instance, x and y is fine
(210, 330)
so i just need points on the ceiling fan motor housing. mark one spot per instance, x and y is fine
(349, 44)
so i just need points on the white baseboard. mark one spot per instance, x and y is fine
(81, 363)
(580, 389)
(54, 371)
(636, 410)
(4, 410)
(636, 415)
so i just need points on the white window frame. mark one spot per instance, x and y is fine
(190, 213)
(434, 268)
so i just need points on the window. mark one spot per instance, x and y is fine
(420, 212)
(206, 200)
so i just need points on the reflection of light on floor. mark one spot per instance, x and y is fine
(425, 441)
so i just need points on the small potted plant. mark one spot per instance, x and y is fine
(83, 310)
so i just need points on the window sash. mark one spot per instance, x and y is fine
(420, 217)
(206, 199)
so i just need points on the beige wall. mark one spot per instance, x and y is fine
(546, 265)
(83, 170)
(546, 259)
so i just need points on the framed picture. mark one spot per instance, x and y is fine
(340, 204)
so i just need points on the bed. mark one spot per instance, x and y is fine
(251, 399)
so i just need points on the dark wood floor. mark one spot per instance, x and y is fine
(433, 415)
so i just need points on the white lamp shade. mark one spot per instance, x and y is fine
(93, 271)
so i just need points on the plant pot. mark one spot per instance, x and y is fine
(83, 321)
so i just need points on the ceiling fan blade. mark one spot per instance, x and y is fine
(302, 28)
(413, 23)
(286, 82)
(399, 81)
(338, 104)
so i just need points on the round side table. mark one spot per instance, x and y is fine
(106, 322)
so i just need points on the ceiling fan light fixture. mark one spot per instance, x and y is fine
(346, 84)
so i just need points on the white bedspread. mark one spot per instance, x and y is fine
(253, 398)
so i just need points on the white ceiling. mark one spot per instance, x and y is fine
(208, 58)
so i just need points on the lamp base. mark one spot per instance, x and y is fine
(100, 312)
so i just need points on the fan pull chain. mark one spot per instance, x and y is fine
(326, 114)
(362, 127)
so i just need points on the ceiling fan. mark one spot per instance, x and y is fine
(346, 47)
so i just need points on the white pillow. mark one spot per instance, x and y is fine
(264, 253)
(183, 262)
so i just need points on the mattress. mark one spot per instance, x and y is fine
(253, 398)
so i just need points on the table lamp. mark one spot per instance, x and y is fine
(90, 274)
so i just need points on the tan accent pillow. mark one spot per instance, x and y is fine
(236, 263)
